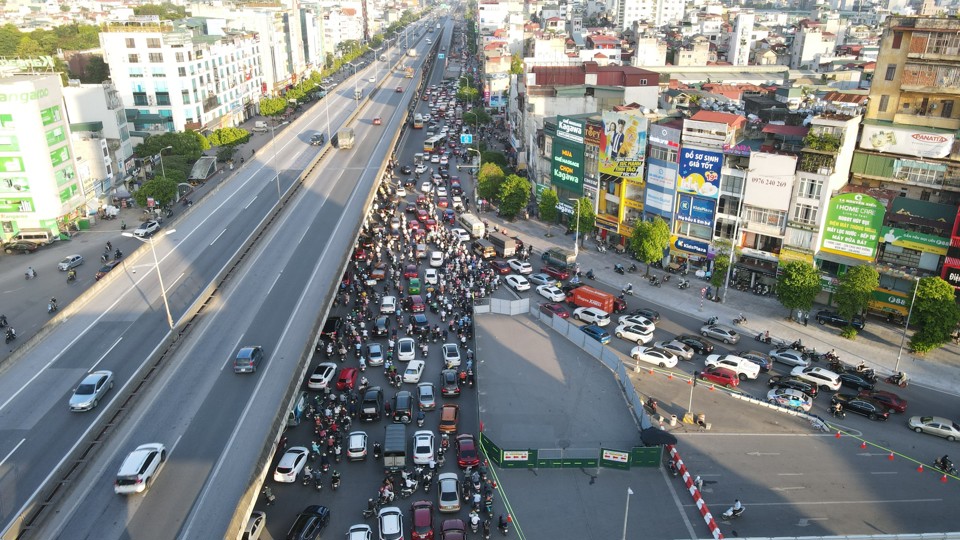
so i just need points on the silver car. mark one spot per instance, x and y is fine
(92, 388)
(723, 333)
(680, 350)
(426, 396)
(70, 261)
(789, 357)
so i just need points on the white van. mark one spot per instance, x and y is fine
(260, 126)
(37, 236)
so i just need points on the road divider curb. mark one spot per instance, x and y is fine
(695, 493)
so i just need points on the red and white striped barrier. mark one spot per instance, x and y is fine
(695, 493)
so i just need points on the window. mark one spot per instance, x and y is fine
(185, 96)
(136, 73)
(182, 71)
(891, 72)
(163, 98)
(920, 172)
(897, 39)
(156, 58)
(731, 183)
(140, 98)
(946, 109)
(899, 256)
(153, 43)
(131, 44)
(884, 103)
(765, 216)
(665, 154)
(643, 82)
(806, 214)
(179, 57)
(810, 188)
(133, 58)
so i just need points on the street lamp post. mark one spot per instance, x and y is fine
(273, 160)
(156, 264)
(576, 231)
(903, 338)
(356, 89)
(163, 172)
(626, 512)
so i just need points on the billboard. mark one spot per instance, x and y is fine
(699, 172)
(906, 141)
(667, 137)
(570, 129)
(566, 165)
(696, 210)
(623, 144)
(661, 185)
(853, 225)
(924, 243)
(770, 181)
(593, 133)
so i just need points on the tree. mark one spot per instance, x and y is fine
(469, 94)
(548, 205)
(798, 285)
(935, 313)
(721, 263)
(28, 48)
(513, 196)
(96, 71)
(161, 189)
(166, 11)
(189, 144)
(855, 289)
(516, 64)
(489, 180)
(496, 158)
(584, 215)
(230, 136)
(476, 117)
(648, 240)
(272, 106)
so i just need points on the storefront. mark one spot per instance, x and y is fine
(754, 269)
(696, 254)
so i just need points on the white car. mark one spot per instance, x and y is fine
(357, 445)
(441, 191)
(461, 234)
(634, 333)
(406, 349)
(147, 228)
(91, 390)
(824, 378)
(359, 532)
(592, 315)
(391, 523)
(744, 368)
(422, 447)
(436, 259)
(426, 187)
(451, 355)
(421, 168)
(430, 276)
(518, 283)
(401, 191)
(434, 158)
(448, 485)
(789, 357)
(139, 468)
(388, 305)
(291, 464)
(790, 398)
(321, 376)
(551, 293)
(520, 267)
(654, 356)
(638, 320)
(414, 371)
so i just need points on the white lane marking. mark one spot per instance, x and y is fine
(788, 474)
(676, 500)
(763, 453)
(831, 503)
(175, 443)
(10, 453)
(806, 521)
(788, 488)
(251, 202)
(218, 237)
(884, 472)
(229, 358)
(172, 283)
(95, 364)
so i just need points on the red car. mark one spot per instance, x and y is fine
(449, 216)
(555, 309)
(410, 271)
(413, 224)
(453, 529)
(377, 121)
(442, 202)
(347, 379)
(105, 269)
(415, 304)
(721, 376)
(555, 273)
(501, 267)
(467, 451)
(892, 401)
(430, 224)
(422, 214)
(359, 254)
(399, 90)
(422, 520)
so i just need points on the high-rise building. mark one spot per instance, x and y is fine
(740, 44)
(190, 74)
(38, 174)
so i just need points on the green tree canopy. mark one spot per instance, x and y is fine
(798, 285)
(28, 48)
(855, 289)
(231, 136)
(513, 196)
(548, 205)
(166, 11)
(721, 263)
(516, 64)
(163, 190)
(648, 240)
(185, 143)
(496, 158)
(489, 180)
(469, 94)
(476, 117)
(935, 313)
(272, 106)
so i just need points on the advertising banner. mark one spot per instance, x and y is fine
(925, 243)
(906, 141)
(887, 300)
(666, 137)
(770, 181)
(661, 175)
(592, 133)
(567, 165)
(570, 129)
(657, 202)
(696, 209)
(694, 247)
(853, 226)
(623, 144)
(699, 172)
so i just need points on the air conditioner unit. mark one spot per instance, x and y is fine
(824, 171)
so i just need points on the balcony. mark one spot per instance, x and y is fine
(926, 120)
(210, 104)
(816, 163)
(823, 143)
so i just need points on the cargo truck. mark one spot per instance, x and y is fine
(395, 447)
(560, 258)
(586, 296)
(503, 244)
(344, 139)
(412, 53)
(473, 225)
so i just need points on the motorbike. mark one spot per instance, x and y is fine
(52, 307)
(373, 508)
(268, 495)
(317, 480)
(474, 522)
(420, 419)
(307, 475)
(11, 335)
(763, 337)
(589, 274)
(838, 413)
(71, 275)
(945, 466)
(329, 350)
(335, 481)
(655, 281)
(3, 321)
(428, 479)
(628, 289)
(713, 320)
(410, 487)
(797, 346)
(899, 379)
(732, 513)
(672, 465)
(666, 278)
(117, 255)
(683, 283)
(30, 274)
(618, 268)
(632, 269)
(741, 319)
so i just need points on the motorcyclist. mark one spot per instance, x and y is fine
(11, 334)
(72, 274)
(900, 378)
(837, 408)
(945, 462)
(474, 520)
(31, 272)
(737, 507)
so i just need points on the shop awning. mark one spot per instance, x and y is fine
(922, 213)
(753, 266)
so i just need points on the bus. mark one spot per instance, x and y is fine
(433, 143)
(418, 121)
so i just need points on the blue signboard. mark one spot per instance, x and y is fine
(699, 172)
(440, 56)
(691, 246)
(466, 138)
(696, 210)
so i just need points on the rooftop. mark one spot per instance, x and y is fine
(732, 120)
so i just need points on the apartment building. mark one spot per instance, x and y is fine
(190, 74)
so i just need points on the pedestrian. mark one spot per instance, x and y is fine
(806, 318)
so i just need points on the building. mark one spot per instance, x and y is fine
(42, 190)
(741, 41)
(809, 43)
(190, 74)
(655, 12)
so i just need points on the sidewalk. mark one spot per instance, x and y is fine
(877, 345)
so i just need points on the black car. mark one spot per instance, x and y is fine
(651, 314)
(449, 386)
(855, 380)
(330, 331)
(789, 381)
(834, 319)
(402, 407)
(22, 246)
(318, 140)
(758, 358)
(381, 326)
(569, 286)
(372, 404)
(420, 323)
(868, 407)
(700, 345)
(406, 169)
(310, 523)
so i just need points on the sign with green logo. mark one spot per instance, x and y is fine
(887, 300)
(853, 226)
(926, 243)
(567, 165)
